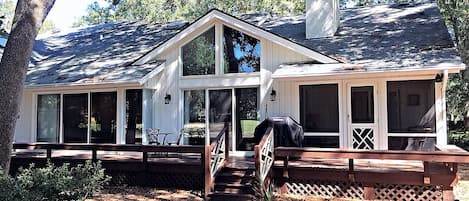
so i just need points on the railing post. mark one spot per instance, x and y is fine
(351, 174)
(257, 160)
(426, 172)
(227, 143)
(145, 159)
(49, 153)
(94, 154)
(206, 160)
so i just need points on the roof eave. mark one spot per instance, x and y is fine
(79, 86)
(353, 73)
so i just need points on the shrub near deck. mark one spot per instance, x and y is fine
(53, 183)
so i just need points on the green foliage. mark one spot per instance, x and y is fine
(264, 192)
(460, 139)
(53, 183)
(47, 26)
(457, 97)
(7, 11)
(456, 15)
(171, 10)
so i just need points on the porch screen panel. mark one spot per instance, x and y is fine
(48, 118)
(194, 117)
(103, 117)
(319, 108)
(242, 53)
(411, 106)
(198, 56)
(75, 118)
(133, 116)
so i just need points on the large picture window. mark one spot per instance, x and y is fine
(411, 106)
(319, 108)
(48, 118)
(242, 53)
(198, 56)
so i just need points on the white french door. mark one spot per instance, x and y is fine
(362, 113)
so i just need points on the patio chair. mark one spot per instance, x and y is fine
(179, 137)
(152, 134)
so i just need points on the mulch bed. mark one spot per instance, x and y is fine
(144, 194)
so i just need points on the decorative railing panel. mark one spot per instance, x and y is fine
(264, 154)
(217, 151)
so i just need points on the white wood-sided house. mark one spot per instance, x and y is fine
(363, 78)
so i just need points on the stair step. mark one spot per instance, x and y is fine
(235, 179)
(220, 196)
(234, 188)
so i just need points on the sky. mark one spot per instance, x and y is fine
(65, 12)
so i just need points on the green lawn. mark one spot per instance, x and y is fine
(248, 127)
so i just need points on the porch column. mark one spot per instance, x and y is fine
(440, 109)
(147, 112)
(120, 119)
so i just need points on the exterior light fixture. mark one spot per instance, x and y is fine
(273, 95)
(439, 77)
(167, 99)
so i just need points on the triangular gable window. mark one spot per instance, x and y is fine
(198, 56)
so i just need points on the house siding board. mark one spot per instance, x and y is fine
(23, 130)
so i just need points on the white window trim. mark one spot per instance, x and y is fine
(320, 134)
(412, 134)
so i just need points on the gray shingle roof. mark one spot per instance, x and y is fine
(381, 37)
(96, 54)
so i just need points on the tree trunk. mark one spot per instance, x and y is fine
(29, 15)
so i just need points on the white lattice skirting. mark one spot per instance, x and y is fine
(328, 189)
(354, 190)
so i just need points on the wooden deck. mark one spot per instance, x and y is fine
(360, 174)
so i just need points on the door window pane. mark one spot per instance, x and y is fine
(220, 112)
(246, 118)
(133, 116)
(241, 52)
(194, 117)
(48, 118)
(319, 108)
(198, 56)
(411, 106)
(103, 117)
(75, 118)
(362, 104)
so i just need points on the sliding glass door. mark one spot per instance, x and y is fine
(222, 107)
(246, 118)
(75, 118)
(103, 117)
(220, 112)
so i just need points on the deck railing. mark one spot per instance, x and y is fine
(442, 155)
(264, 155)
(143, 149)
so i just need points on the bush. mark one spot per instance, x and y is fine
(53, 182)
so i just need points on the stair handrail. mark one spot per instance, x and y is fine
(219, 150)
(264, 154)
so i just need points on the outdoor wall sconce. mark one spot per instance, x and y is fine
(439, 77)
(273, 95)
(167, 99)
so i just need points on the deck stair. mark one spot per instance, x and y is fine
(235, 182)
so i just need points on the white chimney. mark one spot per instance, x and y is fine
(322, 18)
